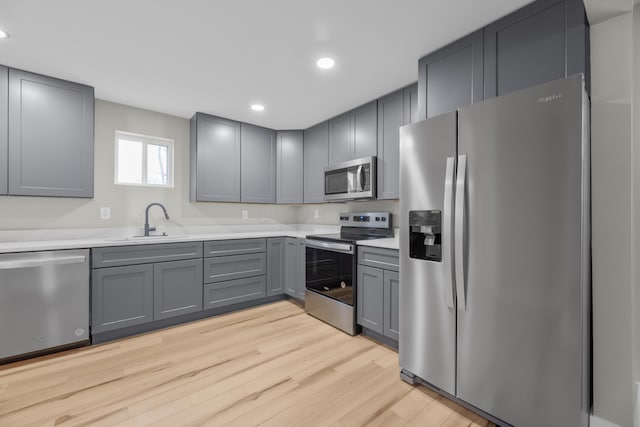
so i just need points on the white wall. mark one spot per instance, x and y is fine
(613, 213)
(127, 203)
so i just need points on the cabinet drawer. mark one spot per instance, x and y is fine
(388, 259)
(234, 247)
(142, 254)
(219, 269)
(234, 291)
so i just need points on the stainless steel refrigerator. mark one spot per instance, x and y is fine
(495, 255)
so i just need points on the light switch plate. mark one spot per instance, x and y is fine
(316, 214)
(245, 214)
(105, 213)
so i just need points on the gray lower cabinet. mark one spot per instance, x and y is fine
(378, 291)
(276, 265)
(301, 268)
(241, 277)
(121, 297)
(177, 288)
(50, 136)
(289, 167)
(391, 285)
(370, 298)
(316, 157)
(354, 134)
(295, 253)
(257, 164)
(4, 129)
(234, 291)
(214, 159)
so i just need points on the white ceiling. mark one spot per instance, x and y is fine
(218, 57)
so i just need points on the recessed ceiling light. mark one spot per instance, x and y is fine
(325, 63)
(3, 35)
(257, 107)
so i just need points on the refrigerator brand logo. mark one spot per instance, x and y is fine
(550, 98)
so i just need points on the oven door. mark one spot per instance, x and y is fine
(331, 270)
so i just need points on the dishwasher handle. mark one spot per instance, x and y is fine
(17, 264)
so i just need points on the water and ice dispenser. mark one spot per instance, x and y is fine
(425, 235)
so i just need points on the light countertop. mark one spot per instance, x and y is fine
(56, 241)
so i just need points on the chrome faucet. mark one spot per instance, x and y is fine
(148, 229)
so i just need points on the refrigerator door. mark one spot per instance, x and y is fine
(523, 331)
(427, 315)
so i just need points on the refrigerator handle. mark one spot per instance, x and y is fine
(447, 231)
(459, 231)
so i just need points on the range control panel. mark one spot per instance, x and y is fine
(366, 219)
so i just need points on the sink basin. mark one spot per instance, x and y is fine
(157, 237)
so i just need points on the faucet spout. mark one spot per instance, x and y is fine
(147, 228)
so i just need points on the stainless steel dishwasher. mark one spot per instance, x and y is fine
(44, 301)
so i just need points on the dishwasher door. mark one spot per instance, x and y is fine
(44, 300)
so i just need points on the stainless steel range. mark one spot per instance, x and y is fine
(331, 267)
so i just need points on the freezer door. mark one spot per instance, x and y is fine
(523, 330)
(427, 309)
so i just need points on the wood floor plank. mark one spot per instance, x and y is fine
(271, 365)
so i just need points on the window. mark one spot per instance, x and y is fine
(143, 160)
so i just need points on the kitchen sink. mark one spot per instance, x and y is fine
(158, 237)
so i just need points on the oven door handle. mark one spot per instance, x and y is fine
(345, 248)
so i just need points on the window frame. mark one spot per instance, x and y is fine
(145, 140)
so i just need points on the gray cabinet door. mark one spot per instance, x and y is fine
(365, 130)
(340, 138)
(121, 297)
(316, 157)
(451, 77)
(391, 304)
(177, 288)
(289, 167)
(370, 298)
(301, 264)
(291, 270)
(390, 118)
(50, 136)
(234, 291)
(411, 104)
(215, 159)
(258, 164)
(275, 266)
(354, 134)
(231, 267)
(541, 42)
(4, 114)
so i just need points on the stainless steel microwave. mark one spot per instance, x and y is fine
(355, 179)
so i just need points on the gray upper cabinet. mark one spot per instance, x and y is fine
(354, 134)
(215, 159)
(410, 104)
(451, 77)
(50, 136)
(177, 288)
(4, 148)
(340, 137)
(289, 167)
(544, 41)
(316, 157)
(258, 164)
(390, 118)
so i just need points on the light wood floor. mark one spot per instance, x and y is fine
(272, 365)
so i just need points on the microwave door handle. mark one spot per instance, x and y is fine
(360, 175)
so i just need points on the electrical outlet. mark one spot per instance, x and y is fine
(105, 213)
(316, 214)
(245, 214)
